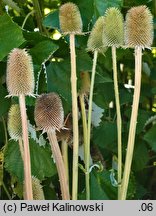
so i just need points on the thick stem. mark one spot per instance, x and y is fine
(28, 195)
(119, 121)
(75, 117)
(59, 164)
(133, 122)
(84, 122)
(64, 147)
(90, 117)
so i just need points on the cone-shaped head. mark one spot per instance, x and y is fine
(37, 189)
(49, 114)
(95, 41)
(70, 19)
(139, 27)
(14, 122)
(20, 76)
(113, 32)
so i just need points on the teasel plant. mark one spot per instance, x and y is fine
(65, 137)
(95, 45)
(15, 126)
(71, 24)
(20, 82)
(113, 36)
(49, 117)
(138, 35)
(37, 189)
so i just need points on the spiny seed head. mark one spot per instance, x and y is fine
(65, 134)
(113, 33)
(14, 122)
(37, 189)
(49, 112)
(95, 39)
(20, 77)
(70, 19)
(139, 27)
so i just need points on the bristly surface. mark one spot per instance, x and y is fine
(37, 189)
(95, 41)
(20, 75)
(70, 19)
(14, 122)
(49, 114)
(139, 27)
(113, 32)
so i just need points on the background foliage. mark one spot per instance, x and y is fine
(23, 25)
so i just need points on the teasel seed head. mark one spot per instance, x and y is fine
(113, 33)
(49, 114)
(65, 134)
(14, 122)
(37, 189)
(95, 41)
(70, 19)
(20, 77)
(139, 27)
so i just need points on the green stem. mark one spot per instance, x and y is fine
(119, 121)
(27, 16)
(5, 131)
(6, 191)
(84, 122)
(75, 117)
(28, 195)
(133, 122)
(59, 164)
(90, 116)
(39, 16)
(64, 146)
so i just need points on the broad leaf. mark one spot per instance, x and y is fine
(10, 35)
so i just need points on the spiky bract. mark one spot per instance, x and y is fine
(70, 19)
(20, 76)
(139, 27)
(49, 114)
(37, 189)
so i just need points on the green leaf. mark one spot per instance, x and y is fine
(101, 6)
(43, 51)
(140, 149)
(42, 164)
(4, 102)
(105, 136)
(150, 137)
(58, 77)
(96, 190)
(52, 20)
(10, 35)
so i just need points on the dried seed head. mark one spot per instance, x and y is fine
(49, 112)
(113, 34)
(139, 27)
(95, 39)
(20, 77)
(70, 19)
(37, 189)
(14, 122)
(65, 134)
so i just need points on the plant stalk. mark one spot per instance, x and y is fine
(133, 122)
(21, 148)
(75, 117)
(28, 195)
(90, 117)
(64, 146)
(85, 129)
(119, 121)
(59, 164)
